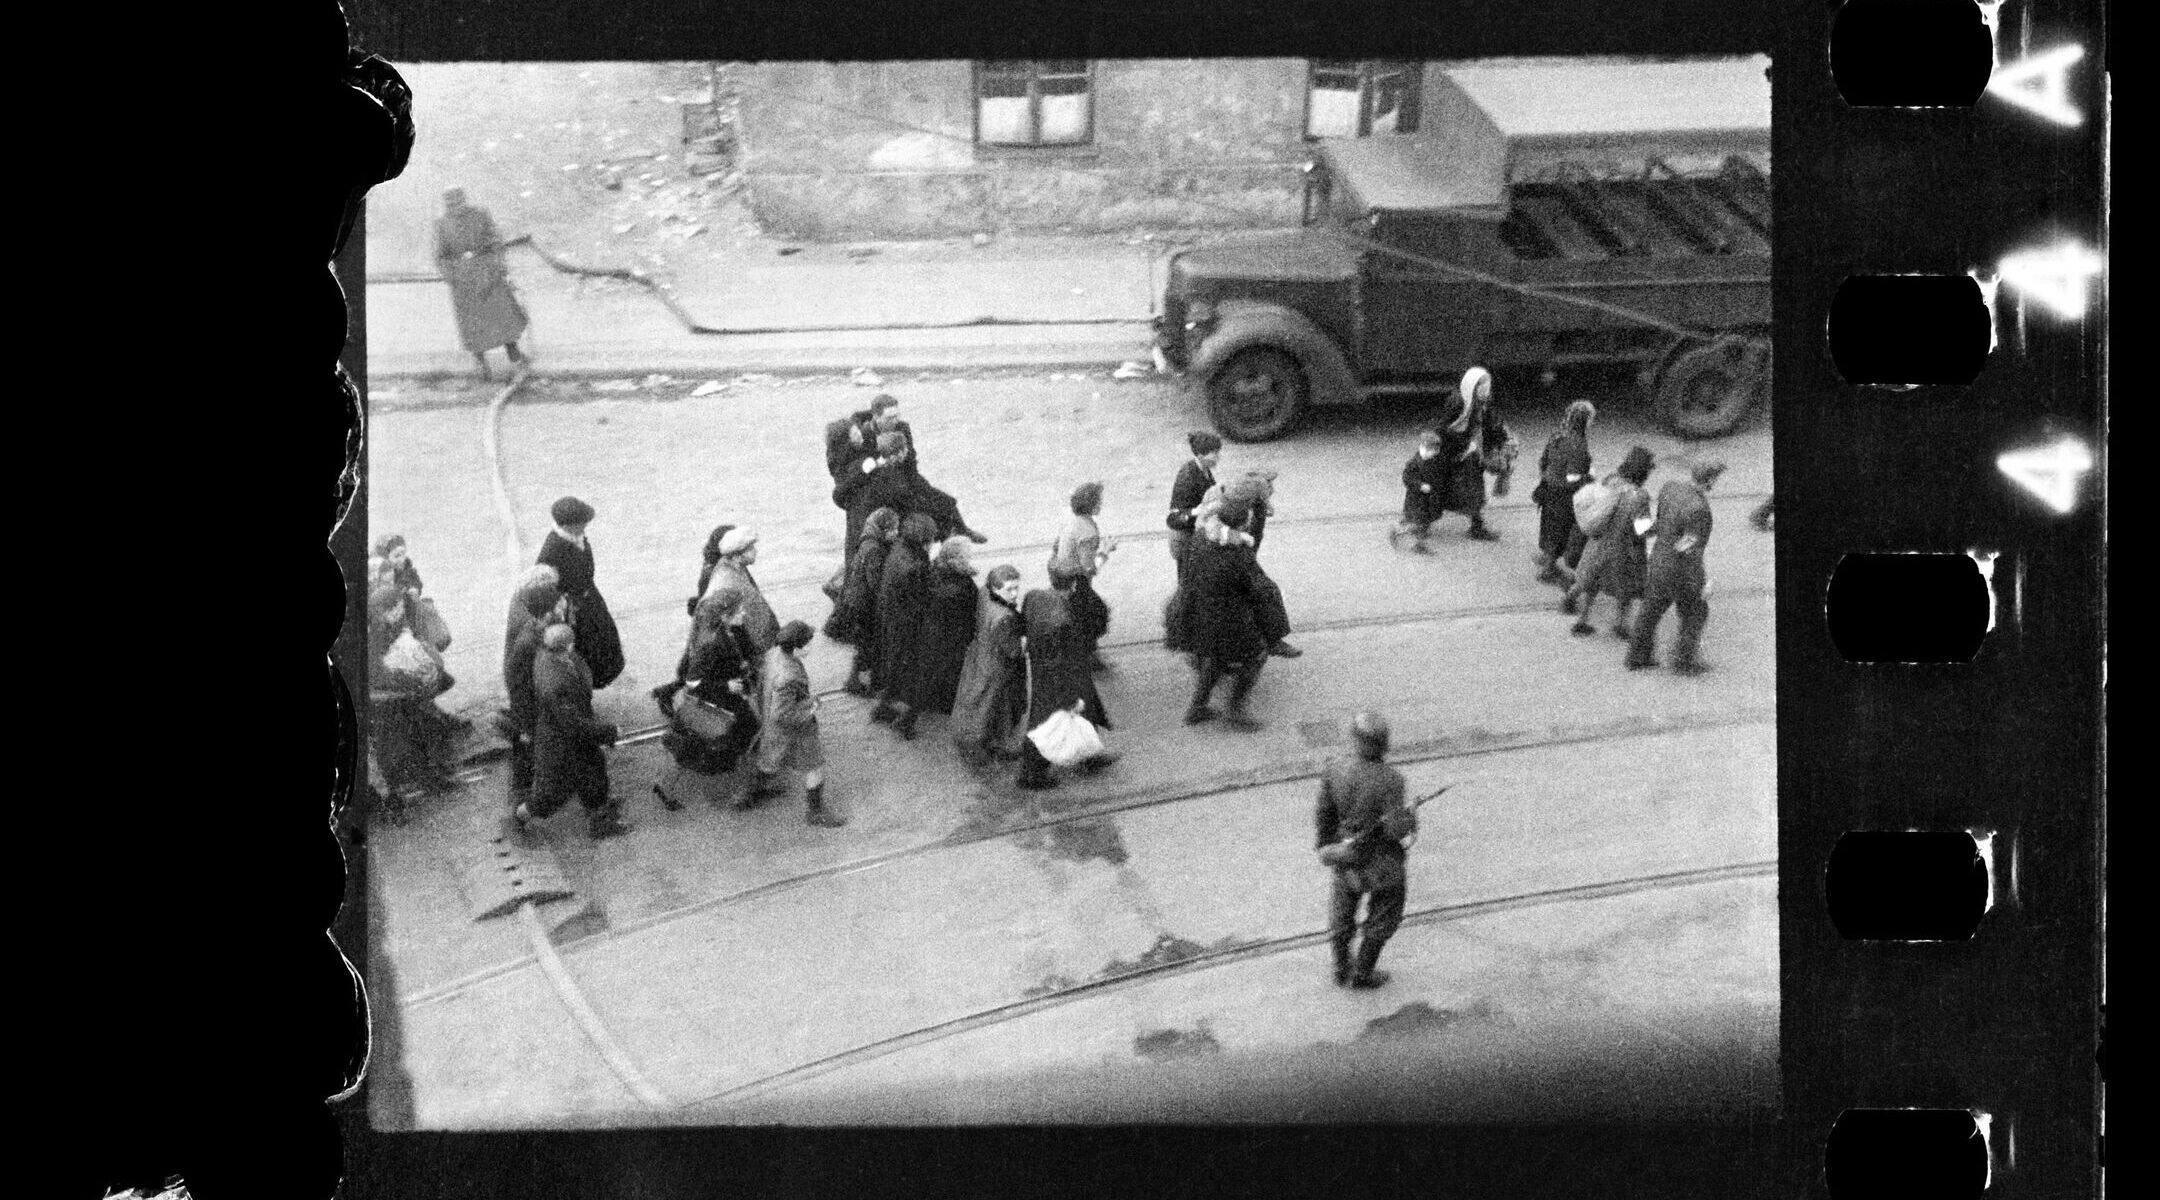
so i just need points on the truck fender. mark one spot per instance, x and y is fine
(1242, 324)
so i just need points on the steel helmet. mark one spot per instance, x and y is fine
(1370, 728)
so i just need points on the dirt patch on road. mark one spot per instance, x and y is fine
(1164, 1044)
(1419, 1019)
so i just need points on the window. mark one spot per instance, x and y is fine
(1359, 99)
(1037, 102)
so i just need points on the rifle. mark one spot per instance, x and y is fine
(1348, 852)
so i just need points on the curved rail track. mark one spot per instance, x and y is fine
(1269, 775)
(1209, 960)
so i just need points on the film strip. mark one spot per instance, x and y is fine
(1939, 425)
(1962, 292)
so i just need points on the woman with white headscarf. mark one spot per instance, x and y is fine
(1474, 442)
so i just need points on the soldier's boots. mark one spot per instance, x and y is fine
(1366, 975)
(816, 813)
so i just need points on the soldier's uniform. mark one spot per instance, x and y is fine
(1361, 802)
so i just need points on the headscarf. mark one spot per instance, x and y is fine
(882, 525)
(1468, 390)
(918, 530)
(952, 554)
(1579, 415)
(1046, 612)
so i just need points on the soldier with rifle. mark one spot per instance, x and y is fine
(1365, 830)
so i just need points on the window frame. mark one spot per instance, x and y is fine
(1036, 72)
(1369, 73)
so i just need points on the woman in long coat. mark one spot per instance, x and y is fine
(991, 701)
(1563, 469)
(718, 668)
(854, 618)
(903, 606)
(948, 626)
(470, 255)
(1615, 561)
(566, 549)
(1227, 625)
(1473, 441)
(1076, 556)
(1059, 676)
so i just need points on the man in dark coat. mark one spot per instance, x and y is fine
(1677, 577)
(903, 609)
(569, 759)
(599, 643)
(1189, 489)
(532, 609)
(470, 255)
(1363, 829)
(1227, 625)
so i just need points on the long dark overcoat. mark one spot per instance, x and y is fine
(1420, 507)
(948, 629)
(1227, 598)
(1057, 656)
(717, 654)
(569, 762)
(1616, 562)
(469, 253)
(903, 604)
(854, 618)
(991, 701)
(599, 642)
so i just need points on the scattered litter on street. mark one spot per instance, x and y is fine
(708, 387)
(865, 377)
(615, 385)
(1130, 370)
(653, 381)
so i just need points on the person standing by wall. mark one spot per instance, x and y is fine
(1563, 469)
(470, 255)
(1677, 577)
(566, 549)
(1363, 830)
(1077, 554)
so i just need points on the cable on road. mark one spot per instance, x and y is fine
(588, 1021)
(491, 448)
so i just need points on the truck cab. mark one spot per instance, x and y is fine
(1553, 214)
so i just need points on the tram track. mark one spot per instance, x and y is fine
(653, 732)
(1157, 534)
(1280, 772)
(1213, 959)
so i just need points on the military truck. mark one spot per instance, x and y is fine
(1549, 214)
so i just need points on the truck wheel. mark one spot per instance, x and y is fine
(1706, 392)
(1257, 395)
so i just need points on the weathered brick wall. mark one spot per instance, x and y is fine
(868, 150)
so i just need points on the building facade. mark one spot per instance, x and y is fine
(840, 151)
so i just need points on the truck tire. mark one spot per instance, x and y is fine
(1257, 396)
(1707, 391)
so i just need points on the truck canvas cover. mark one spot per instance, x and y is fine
(1501, 124)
